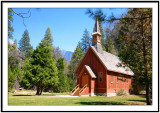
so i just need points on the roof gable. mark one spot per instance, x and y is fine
(89, 49)
(89, 70)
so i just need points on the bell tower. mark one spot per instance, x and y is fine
(96, 41)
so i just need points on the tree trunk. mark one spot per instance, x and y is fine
(38, 90)
(148, 99)
(41, 89)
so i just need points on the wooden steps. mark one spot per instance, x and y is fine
(77, 92)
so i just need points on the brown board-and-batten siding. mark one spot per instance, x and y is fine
(115, 84)
(93, 61)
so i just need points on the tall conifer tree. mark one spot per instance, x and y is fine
(110, 46)
(41, 69)
(24, 44)
(48, 35)
(49, 38)
(135, 43)
(85, 41)
(75, 60)
(63, 79)
(103, 42)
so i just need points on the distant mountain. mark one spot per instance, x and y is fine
(67, 55)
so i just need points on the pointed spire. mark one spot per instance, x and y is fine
(96, 41)
(96, 27)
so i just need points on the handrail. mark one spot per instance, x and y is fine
(84, 87)
(74, 89)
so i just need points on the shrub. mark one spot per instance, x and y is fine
(121, 92)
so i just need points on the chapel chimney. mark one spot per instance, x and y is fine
(96, 40)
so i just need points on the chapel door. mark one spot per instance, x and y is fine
(84, 80)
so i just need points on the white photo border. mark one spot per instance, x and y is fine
(82, 4)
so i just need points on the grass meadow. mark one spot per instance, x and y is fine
(51, 99)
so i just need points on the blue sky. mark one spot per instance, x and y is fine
(67, 25)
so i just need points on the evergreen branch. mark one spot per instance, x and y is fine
(127, 18)
(99, 14)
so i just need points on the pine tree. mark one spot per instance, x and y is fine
(27, 81)
(135, 46)
(49, 38)
(110, 43)
(85, 41)
(48, 35)
(10, 20)
(103, 42)
(42, 71)
(44, 67)
(80, 45)
(63, 79)
(110, 46)
(75, 60)
(24, 44)
(60, 65)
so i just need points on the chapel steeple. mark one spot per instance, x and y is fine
(96, 41)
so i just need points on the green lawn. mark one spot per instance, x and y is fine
(28, 99)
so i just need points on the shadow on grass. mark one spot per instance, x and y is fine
(101, 103)
(138, 100)
(22, 95)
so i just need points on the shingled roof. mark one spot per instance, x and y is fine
(111, 62)
(90, 71)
